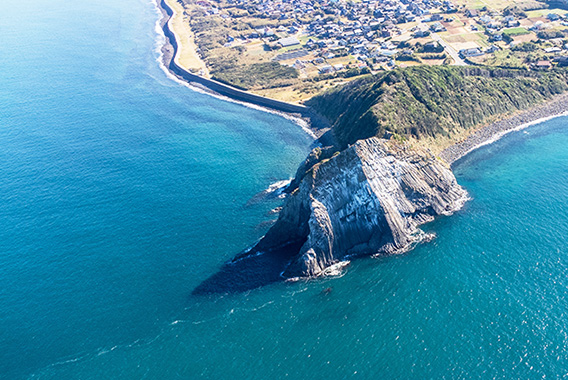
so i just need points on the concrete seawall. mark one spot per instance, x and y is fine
(222, 88)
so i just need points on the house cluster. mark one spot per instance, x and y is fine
(476, 52)
(364, 30)
(400, 10)
(332, 28)
(496, 26)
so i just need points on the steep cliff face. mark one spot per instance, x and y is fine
(368, 199)
(432, 101)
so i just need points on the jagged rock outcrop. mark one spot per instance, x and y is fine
(368, 199)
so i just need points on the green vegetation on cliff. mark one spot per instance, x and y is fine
(432, 101)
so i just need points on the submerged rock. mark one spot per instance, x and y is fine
(368, 199)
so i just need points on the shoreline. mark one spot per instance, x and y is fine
(312, 123)
(553, 108)
(185, 38)
(316, 126)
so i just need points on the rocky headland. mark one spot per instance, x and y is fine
(367, 199)
(367, 191)
(367, 188)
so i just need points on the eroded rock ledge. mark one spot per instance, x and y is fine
(368, 199)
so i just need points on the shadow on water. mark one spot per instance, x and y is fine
(249, 272)
(253, 269)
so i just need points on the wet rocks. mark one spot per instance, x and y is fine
(557, 106)
(368, 199)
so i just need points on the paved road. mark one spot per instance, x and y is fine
(453, 53)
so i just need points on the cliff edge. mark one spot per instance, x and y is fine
(367, 199)
(363, 195)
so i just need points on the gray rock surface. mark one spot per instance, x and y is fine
(555, 107)
(368, 199)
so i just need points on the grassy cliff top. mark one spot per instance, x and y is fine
(432, 101)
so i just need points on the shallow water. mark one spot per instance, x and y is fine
(122, 191)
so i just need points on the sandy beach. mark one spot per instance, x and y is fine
(187, 56)
(302, 115)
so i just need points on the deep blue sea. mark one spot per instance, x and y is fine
(121, 191)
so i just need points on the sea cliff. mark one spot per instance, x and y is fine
(434, 106)
(365, 195)
(389, 142)
(367, 199)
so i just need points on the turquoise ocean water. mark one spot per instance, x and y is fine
(121, 191)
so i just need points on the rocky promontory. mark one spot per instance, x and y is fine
(367, 199)
(364, 195)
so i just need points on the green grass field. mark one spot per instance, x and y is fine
(515, 31)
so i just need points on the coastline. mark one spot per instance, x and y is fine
(317, 126)
(555, 107)
(278, 237)
(311, 122)
(187, 56)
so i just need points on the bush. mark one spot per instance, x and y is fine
(406, 57)
(513, 10)
(507, 38)
(266, 75)
(430, 48)
(526, 47)
(434, 56)
(549, 34)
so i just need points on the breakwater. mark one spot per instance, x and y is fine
(222, 88)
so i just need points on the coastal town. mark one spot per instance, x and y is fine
(305, 46)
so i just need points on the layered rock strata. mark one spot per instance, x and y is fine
(368, 199)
